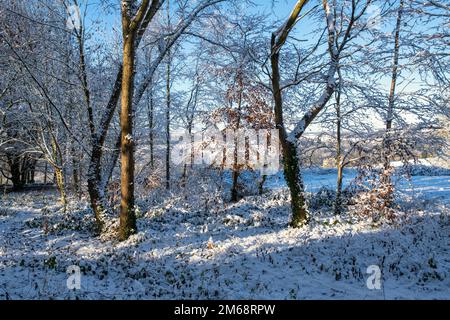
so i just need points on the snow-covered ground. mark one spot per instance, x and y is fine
(196, 246)
(422, 187)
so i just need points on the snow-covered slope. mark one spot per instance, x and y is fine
(192, 249)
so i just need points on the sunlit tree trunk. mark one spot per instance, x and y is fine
(58, 168)
(132, 17)
(127, 214)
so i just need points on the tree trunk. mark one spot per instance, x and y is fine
(185, 166)
(264, 162)
(289, 151)
(75, 173)
(96, 197)
(150, 114)
(150, 124)
(168, 101)
(127, 214)
(235, 174)
(386, 178)
(32, 171)
(295, 184)
(94, 181)
(14, 168)
(110, 165)
(390, 111)
(84, 82)
(338, 201)
(45, 172)
(58, 169)
(236, 170)
(339, 164)
(24, 169)
(235, 177)
(61, 186)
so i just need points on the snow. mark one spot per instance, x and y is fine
(429, 185)
(195, 246)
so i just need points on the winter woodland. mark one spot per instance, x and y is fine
(224, 149)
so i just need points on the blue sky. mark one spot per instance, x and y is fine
(280, 9)
(277, 10)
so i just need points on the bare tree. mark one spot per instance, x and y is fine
(336, 44)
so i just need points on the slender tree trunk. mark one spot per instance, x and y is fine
(235, 173)
(96, 197)
(31, 172)
(184, 176)
(95, 179)
(387, 141)
(290, 159)
(58, 170)
(265, 155)
(134, 25)
(168, 101)
(339, 163)
(289, 150)
(235, 177)
(390, 111)
(75, 172)
(127, 213)
(80, 175)
(185, 166)
(59, 177)
(236, 170)
(135, 20)
(295, 183)
(338, 201)
(84, 82)
(150, 115)
(110, 165)
(190, 111)
(45, 173)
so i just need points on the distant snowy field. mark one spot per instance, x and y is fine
(197, 247)
(424, 187)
